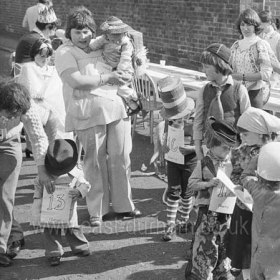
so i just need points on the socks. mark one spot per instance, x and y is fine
(246, 274)
(172, 207)
(186, 208)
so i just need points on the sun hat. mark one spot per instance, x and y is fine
(222, 131)
(220, 50)
(47, 15)
(61, 157)
(269, 162)
(259, 121)
(114, 25)
(176, 104)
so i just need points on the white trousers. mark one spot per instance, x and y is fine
(107, 166)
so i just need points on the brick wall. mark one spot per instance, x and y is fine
(174, 30)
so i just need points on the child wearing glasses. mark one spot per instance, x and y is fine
(177, 111)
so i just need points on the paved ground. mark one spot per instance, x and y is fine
(122, 249)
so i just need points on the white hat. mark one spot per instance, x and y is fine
(259, 121)
(47, 15)
(269, 162)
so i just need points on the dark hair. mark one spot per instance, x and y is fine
(79, 18)
(265, 137)
(43, 26)
(14, 98)
(46, 2)
(35, 49)
(249, 16)
(220, 65)
(271, 185)
(266, 16)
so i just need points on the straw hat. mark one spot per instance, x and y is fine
(114, 25)
(176, 104)
(220, 50)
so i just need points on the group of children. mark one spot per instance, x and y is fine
(228, 135)
(210, 142)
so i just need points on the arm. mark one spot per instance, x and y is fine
(98, 43)
(198, 125)
(197, 184)
(68, 70)
(125, 63)
(39, 141)
(25, 22)
(244, 99)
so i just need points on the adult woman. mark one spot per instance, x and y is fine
(98, 117)
(15, 109)
(250, 58)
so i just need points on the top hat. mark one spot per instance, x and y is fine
(176, 105)
(221, 51)
(222, 131)
(47, 15)
(61, 157)
(114, 25)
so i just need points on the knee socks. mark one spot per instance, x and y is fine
(186, 208)
(172, 207)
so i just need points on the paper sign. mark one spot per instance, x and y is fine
(244, 197)
(56, 206)
(175, 140)
(222, 200)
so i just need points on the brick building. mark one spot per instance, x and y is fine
(174, 30)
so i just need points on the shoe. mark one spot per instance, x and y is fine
(5, 260)
(95, 221)
(14, 248)
(133, 214)
(83, 253)
(134, 107)
(54, 261)
(28, 153)
(235, 271)
(169, 232)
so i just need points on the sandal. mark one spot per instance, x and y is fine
(134, 107)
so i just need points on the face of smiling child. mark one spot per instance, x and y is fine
(116, 38)
(221, 151)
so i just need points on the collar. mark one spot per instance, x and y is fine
(229, 81)
(37, 30)
(216, 160)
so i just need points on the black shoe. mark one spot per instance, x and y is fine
(82, 253)
(14, 248)
(235, 271)
(169, 232)
(54, 261)
(5, 260)
(28, 153)
(133, 214)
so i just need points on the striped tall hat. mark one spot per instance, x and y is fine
(176, 104)
(114, 25)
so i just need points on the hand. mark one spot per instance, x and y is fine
(165, 148)
(214, 182)
(186, 150)
(237, 76)
(75, 194)
(45, 179)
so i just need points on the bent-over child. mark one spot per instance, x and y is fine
(60, 163)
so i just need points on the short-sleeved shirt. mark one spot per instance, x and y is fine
(86, 109)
